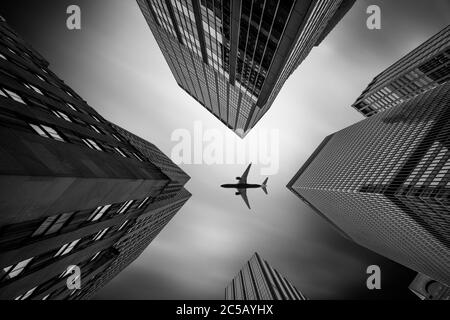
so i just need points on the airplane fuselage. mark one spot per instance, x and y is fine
(241, 186)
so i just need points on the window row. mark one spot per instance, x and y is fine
(63, 134)
(33, 263)
(16, 235)
(7, 93)
(59, 84)
(50, 283)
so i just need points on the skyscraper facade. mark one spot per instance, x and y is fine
(422, 69)
(385, 182)
(75, 191)
(257, 280)
(233, 57)
(428, 289)
(137, 238)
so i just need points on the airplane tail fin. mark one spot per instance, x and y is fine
(264, 186)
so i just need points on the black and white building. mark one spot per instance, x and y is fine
(233, 57)
(258, 280)
(75, 190)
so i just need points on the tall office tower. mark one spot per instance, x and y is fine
(257, 280)
(233, 57)
(422, 69)
(385, 182)
(428, 289)
(178, 177)
(74, 189)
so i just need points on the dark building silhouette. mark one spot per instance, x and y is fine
(233, 57)
(385, 182)
(75, 190)
(140, 234)
(428, 289)
(424, 68)
(257, 280)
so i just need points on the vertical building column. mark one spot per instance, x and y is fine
(235, 25)
(292, 31)
(200, 31)
(153, 13)
(174, 21)
(267, 277)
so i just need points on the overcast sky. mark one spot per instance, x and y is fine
(114, 63)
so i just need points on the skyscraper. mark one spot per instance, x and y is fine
(424, 68)
(257, 280)
(428, 289)
(385, 182)
(140, 234)
(233, 57)
(75, 190)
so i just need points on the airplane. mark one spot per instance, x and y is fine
(242, 186)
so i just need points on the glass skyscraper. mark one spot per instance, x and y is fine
(257, 280)
(422, 69)
(75, 190)
(384, 182)
(233, 57)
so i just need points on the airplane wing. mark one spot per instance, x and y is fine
(244, 176)
(243, 193)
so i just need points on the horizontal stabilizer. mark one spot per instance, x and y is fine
(264, 186)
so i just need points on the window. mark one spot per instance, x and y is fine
(40, 78)
(123, 225)
(46, 297)
(63, 218)
(143, 202)
(39, 130)
(26, 295)
(95, 256)
(137, 157)
(14, 96)
(46, 132)
(71, 107)
(92, 144)
(65, 249)
(14, 270)
(36, 103)
(117, 138)
(52, 224)
(3, 57)
(52, 133)
(44, 226)
(67, 271)
(100, 234)
(62, 115)
(30, 86)
(125, 206)
(96, 129)
(120, 152)
(95, 118)
(98, 213)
